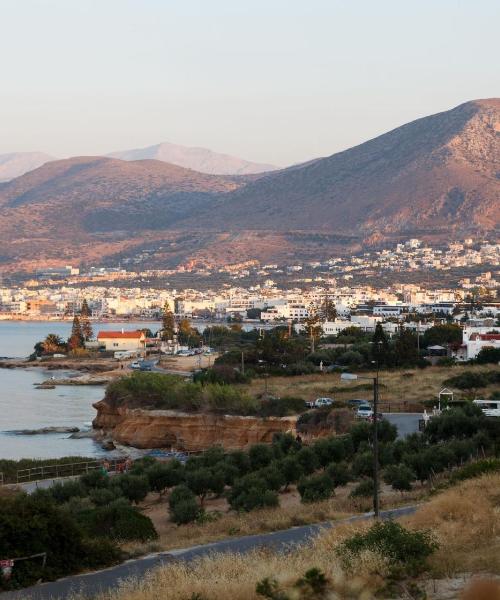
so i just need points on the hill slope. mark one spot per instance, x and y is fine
(15, 164)
(439, 172)
(59, 208)
(199, 159)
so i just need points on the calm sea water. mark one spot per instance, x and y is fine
(24, 407)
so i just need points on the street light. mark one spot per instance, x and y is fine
(353, 377)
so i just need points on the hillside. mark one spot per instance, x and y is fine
(199, 159)
(437, 177)
(65, 208)
(15, 164)
(438, 172)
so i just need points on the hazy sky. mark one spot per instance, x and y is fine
(279, 81)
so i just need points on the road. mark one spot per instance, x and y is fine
(92, 583)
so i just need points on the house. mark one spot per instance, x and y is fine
(121, 340)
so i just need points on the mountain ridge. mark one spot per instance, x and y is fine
(196, 158)
(437, 176)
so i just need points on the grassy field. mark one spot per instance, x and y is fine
(410, 386)
(463, 520)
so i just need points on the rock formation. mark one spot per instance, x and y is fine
(186, 431)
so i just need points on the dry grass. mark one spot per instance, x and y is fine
(464, 520)
(398, 386)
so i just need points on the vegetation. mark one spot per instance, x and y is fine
(384, 562)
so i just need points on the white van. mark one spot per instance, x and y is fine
(491, 408)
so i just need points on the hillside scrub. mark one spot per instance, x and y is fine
(463, 528)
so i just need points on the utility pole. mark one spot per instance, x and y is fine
(242, 363)
(376, 503)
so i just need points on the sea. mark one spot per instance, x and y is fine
(22, 406)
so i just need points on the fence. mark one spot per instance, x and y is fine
(65, 470)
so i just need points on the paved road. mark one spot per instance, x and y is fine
(405, 422)
(99, 581)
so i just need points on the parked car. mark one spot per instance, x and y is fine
(135, 365)
(364, 411)
(321, 402)
(356, 403)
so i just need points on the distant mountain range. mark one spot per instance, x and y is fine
(18, 163)
(198, 159)
(439, 176)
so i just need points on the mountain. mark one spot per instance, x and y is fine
(17, 163)
(440, 172)
(198, 159)
(436, 177)
(66, 208)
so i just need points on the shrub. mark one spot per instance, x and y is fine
(308, 460)
(364, 489)
(316, 487)
(273, 476)
(134, 487)
(400, 546)
(202, 481)
(488, 355)
(34, 524)
(329, 450)
(251, 492)
(363, 464)
(291, 469)
(103, 496)
(118, 521)
(339, 473)
(95, 479)
(400, 477)
(62, 492)
(282, 407)
(260, 455)
(183, 505)
(476, 469)
(163, 476)
(185, 511)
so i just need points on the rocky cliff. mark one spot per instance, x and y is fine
(186, 431)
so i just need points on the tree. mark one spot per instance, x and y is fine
(488, 355)
(316, 487)
(134, 487)
(76, 339)
(168, 323)
(313, 327)
(183, 505)
(405, 348)
(339, 473)
(260, 456)
(380, 346)
(164, 476)
(202, 481)
(251, 492)
(292, 470)
(399, 477)
(443, 335)
(85, 325)
(328, 310)
(52, 343)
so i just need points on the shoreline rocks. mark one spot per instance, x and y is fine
(46, 430)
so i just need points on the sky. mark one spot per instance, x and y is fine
(278, 81)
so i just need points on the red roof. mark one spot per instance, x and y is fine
(122, 335)
(485, 336)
